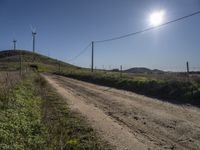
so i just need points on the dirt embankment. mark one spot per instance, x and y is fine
(131, 121)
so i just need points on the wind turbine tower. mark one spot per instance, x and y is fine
(33, 36)
(14, 44)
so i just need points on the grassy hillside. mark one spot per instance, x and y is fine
(173, 87)
(33, 116)
(10, 60)
(142, 70)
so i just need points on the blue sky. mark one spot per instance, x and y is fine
(65, 27)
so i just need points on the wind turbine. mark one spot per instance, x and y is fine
(33, 37)
(14, 44)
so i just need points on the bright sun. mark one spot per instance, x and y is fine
(157, 18)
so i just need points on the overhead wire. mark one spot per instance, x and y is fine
(81, 52)
(147, 29)
(132, 34)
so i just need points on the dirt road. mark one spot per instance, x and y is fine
(131, 121)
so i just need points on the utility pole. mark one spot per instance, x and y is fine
(20, 57)
(59, 67)
(14, 44)
(33, 36)
(92, 65)
(121, 71)
(188, 69)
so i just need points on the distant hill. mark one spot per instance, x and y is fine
(10, 60)
(142, 70)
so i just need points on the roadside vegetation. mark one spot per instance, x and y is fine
(33, 116)
(172, 87)
(179, 91)
(20, 122)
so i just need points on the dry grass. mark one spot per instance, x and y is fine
(7, 82)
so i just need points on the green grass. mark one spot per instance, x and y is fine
(67, 130)
(21, 126)
(173, 87)
(175, 91)
(10, 60)
(34, 117)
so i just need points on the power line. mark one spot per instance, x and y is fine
(134, 33)
(81, 52)
(147, 29)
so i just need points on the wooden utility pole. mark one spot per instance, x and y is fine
(92, 63)
(121, 71)
(20, 57)
(187, 65)
(188, 70)
(59, 67)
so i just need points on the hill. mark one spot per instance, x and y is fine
(10, 60)
(143, 70)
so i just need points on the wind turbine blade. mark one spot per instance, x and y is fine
(32, 28)
(14, 36)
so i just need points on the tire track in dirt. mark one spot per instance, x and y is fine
(154, 123)
(117, 135)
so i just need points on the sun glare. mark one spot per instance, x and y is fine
(157, 18)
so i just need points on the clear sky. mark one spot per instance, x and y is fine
(65, 27)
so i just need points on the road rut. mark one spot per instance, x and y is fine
(131, 121)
